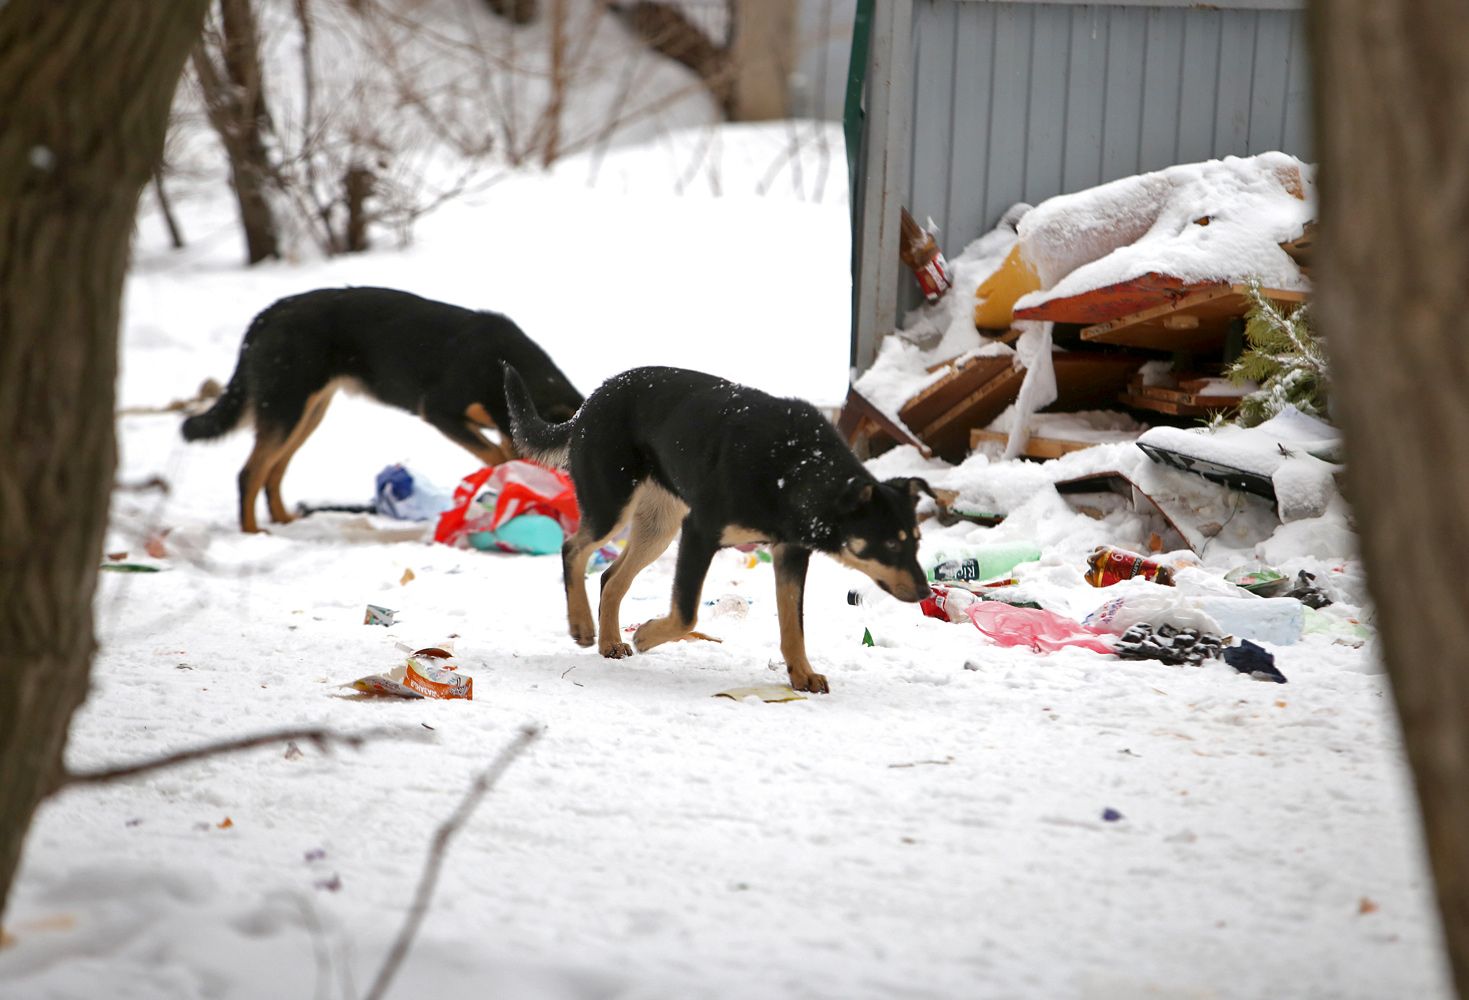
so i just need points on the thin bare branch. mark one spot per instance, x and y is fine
(481, 787)
(323, 739)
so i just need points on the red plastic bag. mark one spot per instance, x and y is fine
(1041, 631)
(486, 499)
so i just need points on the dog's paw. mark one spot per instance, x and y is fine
(814, 683)
(585, 635)
(616, 650)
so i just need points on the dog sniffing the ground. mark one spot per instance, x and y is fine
(669, 449)
(444, 363)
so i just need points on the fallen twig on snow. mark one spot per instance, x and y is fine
(481, 787)
(324, 739)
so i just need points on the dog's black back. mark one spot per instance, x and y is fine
(664, 449)
(404, 350)
(733, 454)
(442, 362)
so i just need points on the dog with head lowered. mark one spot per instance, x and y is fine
(668, 449)
(442, 362)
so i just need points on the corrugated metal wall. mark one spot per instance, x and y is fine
(1018, 101)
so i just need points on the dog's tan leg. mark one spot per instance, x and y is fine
(695, 551)
(481, 448)
(311, 418)
(575, 554)
(656, 515)
(252, 476)
(790, 595)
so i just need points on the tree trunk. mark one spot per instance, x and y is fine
(1392, 85)
(762, 59)
(86, 88)
(234, 98)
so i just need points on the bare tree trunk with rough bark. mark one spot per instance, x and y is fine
(85, 87)
(234, 98)
(763, 54)
(1392, 86)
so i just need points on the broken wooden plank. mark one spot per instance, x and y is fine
(861, 419)
(1100, 305)
(964, 379)
(948, 433)
(1035, 446)
(1173, 408)
(1196, 323)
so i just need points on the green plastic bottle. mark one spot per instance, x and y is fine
(972, 563)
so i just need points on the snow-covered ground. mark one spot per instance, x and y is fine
(932, 828)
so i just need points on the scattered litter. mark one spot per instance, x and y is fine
(916, 763)
(729, 606)
(867, 637)
(293, 752)
(1258, 579)
(315, 854)
(406, 497)
(607, 554)
(1101, 493)
(1041, 631)
(1165, 608)
(1306, 591)
(765, 692)
(1108, 565)
(225, 823)
(1111, 815)
(980, 562)
(1174, 646)
(1366, 906)
(155, 546)
(1249, 658)
(407, 578)
(487, 503)
(426, 673)
(378, 615)
(329, 884)
(130, 567)
(949, 604)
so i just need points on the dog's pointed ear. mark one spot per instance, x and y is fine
(913, 486)
(854, 495)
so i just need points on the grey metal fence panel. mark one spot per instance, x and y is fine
(1018, 101)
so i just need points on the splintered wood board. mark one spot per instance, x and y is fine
(1035, 447)
(1177, 409)
(859, 417)
(948, 433)
(1100, 305)
(1183, 397)
(961, 381)
(1164, 327)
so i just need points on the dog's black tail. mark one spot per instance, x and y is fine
(533, 437)
(224, 416)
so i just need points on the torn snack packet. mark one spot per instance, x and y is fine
(376, 615)
(425, 673)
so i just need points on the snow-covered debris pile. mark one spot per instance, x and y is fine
(1159, 262)
(1217, 221)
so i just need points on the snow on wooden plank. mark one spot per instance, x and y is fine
(1196, 323)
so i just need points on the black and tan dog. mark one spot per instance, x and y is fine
(444, 363)
(667, 449)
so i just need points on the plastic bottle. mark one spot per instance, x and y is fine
(918, 250)
(973, 563)
(1108, 565)
(948, 603)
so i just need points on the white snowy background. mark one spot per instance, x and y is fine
(932, 828)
